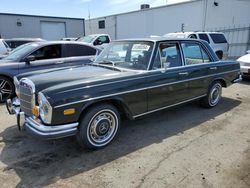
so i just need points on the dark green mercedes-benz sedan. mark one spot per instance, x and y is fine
(129, 78)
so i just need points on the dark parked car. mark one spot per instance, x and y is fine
(130, 78)
(16, 42)
(40, 56)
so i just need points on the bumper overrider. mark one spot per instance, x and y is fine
(36, 127)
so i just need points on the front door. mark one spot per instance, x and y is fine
(168, 79)
(46, 57)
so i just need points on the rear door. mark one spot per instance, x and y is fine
(45, 57)
(168, 80)
(199, 66)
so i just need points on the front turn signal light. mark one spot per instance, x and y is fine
(35, 111)
(69, 111)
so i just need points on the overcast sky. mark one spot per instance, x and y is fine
(76, 8)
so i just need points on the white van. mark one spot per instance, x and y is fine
(217, 40)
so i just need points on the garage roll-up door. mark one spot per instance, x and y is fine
(53, 30)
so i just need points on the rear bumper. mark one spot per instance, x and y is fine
(236, 80)
(245, 70)
(35, 127)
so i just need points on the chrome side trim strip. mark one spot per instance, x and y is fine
(141, 89)
(169, 106)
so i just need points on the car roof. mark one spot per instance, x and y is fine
(158, 39)
(24, 39)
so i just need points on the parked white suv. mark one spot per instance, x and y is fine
(217, 40)
(245, 65)
(4, 48)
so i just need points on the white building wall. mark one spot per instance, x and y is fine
(91, 26)
(228, 13)
(158, 21)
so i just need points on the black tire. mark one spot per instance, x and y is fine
(213, 96)
(219, 54)
(98, 127)
(7, 89)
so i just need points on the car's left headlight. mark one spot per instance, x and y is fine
(45, 109)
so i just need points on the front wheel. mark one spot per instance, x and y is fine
(214, 95)
(99, 126)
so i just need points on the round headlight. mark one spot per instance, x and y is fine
(45, 109)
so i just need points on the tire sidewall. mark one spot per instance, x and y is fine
(214, 84)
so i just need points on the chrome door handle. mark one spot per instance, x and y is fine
(59, 62)
(213, 68)
(183, 73)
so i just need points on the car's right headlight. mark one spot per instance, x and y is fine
(45, 109)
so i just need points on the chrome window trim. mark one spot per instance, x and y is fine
(141, 89)
(162, 108)
(151, 57)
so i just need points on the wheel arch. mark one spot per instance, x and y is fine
(221, 80)
(117, 102)
(7, 76)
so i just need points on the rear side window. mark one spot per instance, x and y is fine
(48, 52)
(218, 38)
(73, 50)
(204, 37)
(194, 53)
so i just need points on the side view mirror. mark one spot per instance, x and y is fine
(30, 58)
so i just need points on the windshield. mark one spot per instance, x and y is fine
(133, 55)
(87, 39)
(20, 51)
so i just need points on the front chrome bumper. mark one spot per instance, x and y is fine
(36, 127)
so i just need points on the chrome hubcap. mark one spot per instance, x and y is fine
(5, 89)
(215, 94)
(102, 128)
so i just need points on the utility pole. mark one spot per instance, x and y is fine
(204, 15)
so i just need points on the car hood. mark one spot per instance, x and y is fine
(56, 81)
(244, 59)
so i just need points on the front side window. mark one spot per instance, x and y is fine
(204, 37)
(192, 36)
(194, 53)
(168, 56)
(48, 52)
(101, 40)
(127, 54)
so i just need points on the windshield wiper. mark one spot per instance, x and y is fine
(107, 62)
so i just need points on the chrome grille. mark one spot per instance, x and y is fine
(27, 96)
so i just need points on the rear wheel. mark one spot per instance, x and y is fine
(214, 95)
(99, 126)
(7, 89)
